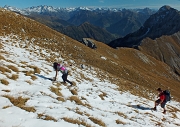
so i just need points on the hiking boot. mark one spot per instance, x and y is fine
(154, 108)
(164, 112)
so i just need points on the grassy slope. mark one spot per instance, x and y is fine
(135, 68)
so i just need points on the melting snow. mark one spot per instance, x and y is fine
(100, 99)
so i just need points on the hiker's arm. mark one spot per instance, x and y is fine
(55, 75)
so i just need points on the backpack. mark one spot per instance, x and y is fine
(167, 95)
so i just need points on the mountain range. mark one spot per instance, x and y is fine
(158, 37)
(110, 23)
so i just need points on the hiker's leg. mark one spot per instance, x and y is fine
(64, 77)
(163, 106)
(68, 80)
(156, 103)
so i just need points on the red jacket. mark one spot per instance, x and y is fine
(162, 96)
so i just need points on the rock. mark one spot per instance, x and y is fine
(89, 43)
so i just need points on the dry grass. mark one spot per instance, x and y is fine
(3, 70)
(122, 115)
(33, 77)
(1, 46)
(120, 122)
(36, 69)
(76, 100)
(23, 62)
(77, 121)
(74, 92)
(2, 57)
(73, 83)
(46, 117)
(103, 95)
(13, 68)
(6, 91)
(157, 123)
(28, 73)
(20, 102)
(61, 99)
(149, 114)
(97, 121)
(31, 73)
(6, 106)
(45, 94)
(85, 77)
(56, 91)
(14, 77)
(28, 109)
(57, 84)
(174, 115)
(17, 101)
(29, 82)
(4, 81)
(173, 109)
(79, 112)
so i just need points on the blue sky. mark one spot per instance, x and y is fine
(93, 3)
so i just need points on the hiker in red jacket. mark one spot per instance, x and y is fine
(58, 67)
(161, 100)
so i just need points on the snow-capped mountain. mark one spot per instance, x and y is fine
(45, 8)
(38, 9)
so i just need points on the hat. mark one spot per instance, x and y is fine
(159, 89)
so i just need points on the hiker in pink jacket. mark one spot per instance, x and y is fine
(58, 67)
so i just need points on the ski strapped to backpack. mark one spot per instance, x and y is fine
(167, 95)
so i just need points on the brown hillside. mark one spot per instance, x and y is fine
(165, 49)
(129, 68)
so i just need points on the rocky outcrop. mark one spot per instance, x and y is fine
(88, 42)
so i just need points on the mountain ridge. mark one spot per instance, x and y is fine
(46, 8)
(155, 26)
(159, 25)
(99, 17)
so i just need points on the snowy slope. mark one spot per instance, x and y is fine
(90, 102)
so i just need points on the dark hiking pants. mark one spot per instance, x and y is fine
(64, 77)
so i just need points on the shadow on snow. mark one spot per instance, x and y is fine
(41, 76)
(140, 107)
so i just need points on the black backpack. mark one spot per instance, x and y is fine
(167, 95)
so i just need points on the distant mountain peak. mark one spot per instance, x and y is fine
(165, 8)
